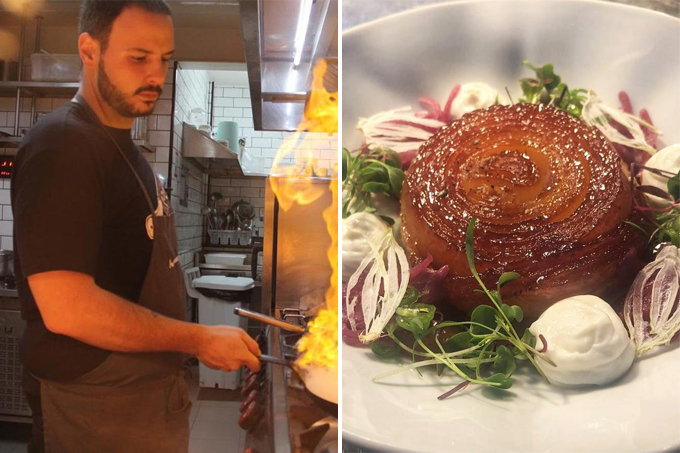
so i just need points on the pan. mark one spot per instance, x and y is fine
(317, 383)
(321, 382)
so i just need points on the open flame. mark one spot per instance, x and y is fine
(318, 347)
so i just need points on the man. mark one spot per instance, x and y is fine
(96, 256)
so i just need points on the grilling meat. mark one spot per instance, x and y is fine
(550, 195)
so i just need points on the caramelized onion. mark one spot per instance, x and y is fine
(549, 192)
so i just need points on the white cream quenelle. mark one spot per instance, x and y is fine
(667, 159)
(474, 96)
(586, 340)
(359, 231)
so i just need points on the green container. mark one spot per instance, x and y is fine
(228, 130)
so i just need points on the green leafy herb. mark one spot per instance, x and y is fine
(668, 220)
(674, 187)
(484, 353)
(377, 171)
(548, 88)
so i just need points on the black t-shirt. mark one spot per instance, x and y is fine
(77, 207)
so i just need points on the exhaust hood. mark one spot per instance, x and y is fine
(279, 88)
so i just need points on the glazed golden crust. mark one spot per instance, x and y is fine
(549, 193)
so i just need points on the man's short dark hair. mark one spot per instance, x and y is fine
(97, 16)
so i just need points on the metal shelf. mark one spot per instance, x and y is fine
(39, 89)
(9, 142)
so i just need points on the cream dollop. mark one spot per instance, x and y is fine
(667, 159)
(359, 231)
(585, 339)
(473, 96)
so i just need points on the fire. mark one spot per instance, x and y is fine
(319, 347)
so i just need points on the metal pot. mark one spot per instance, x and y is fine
(6, 263)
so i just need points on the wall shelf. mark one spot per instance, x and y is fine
(39, 89)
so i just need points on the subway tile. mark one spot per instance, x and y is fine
(162, 154)
(257, 202)
(243, 103)
(7, 213)
(240, 182)
(5, 197)
(6, 183)
(3, 118)
(163, 122)
(230, 191)
(233, 112)
(257, 183)
(159, 138)
(7, 243)
(224, 102)
(245, 92)
(232, 93)
(6, 227)
(271, 134)
(250, 132)
(245, 122)
(220, 182)
(151, 122)
(250, 192)
(261, 142)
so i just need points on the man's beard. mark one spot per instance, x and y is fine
(117, 100)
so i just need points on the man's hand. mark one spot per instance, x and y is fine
(228, 349)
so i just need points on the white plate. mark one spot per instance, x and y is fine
(601, 46)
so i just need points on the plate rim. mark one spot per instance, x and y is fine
(362, 441)
(454, 3)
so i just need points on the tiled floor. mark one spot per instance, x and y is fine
(214, 427)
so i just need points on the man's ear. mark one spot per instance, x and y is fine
(89, 49)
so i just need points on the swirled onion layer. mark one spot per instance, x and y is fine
(549, 192)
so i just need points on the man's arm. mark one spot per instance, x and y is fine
(72, 304)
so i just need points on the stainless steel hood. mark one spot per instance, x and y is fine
(278, 89)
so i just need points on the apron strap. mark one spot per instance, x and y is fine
(78, 99)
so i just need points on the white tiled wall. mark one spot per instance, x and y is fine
(191, 92)
(232, 103)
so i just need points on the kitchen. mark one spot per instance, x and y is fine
(234, 63)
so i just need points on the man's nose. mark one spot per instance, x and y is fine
(156, 74)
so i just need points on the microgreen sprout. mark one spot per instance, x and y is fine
(370, 172)
(484, 352)
(547, 88)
